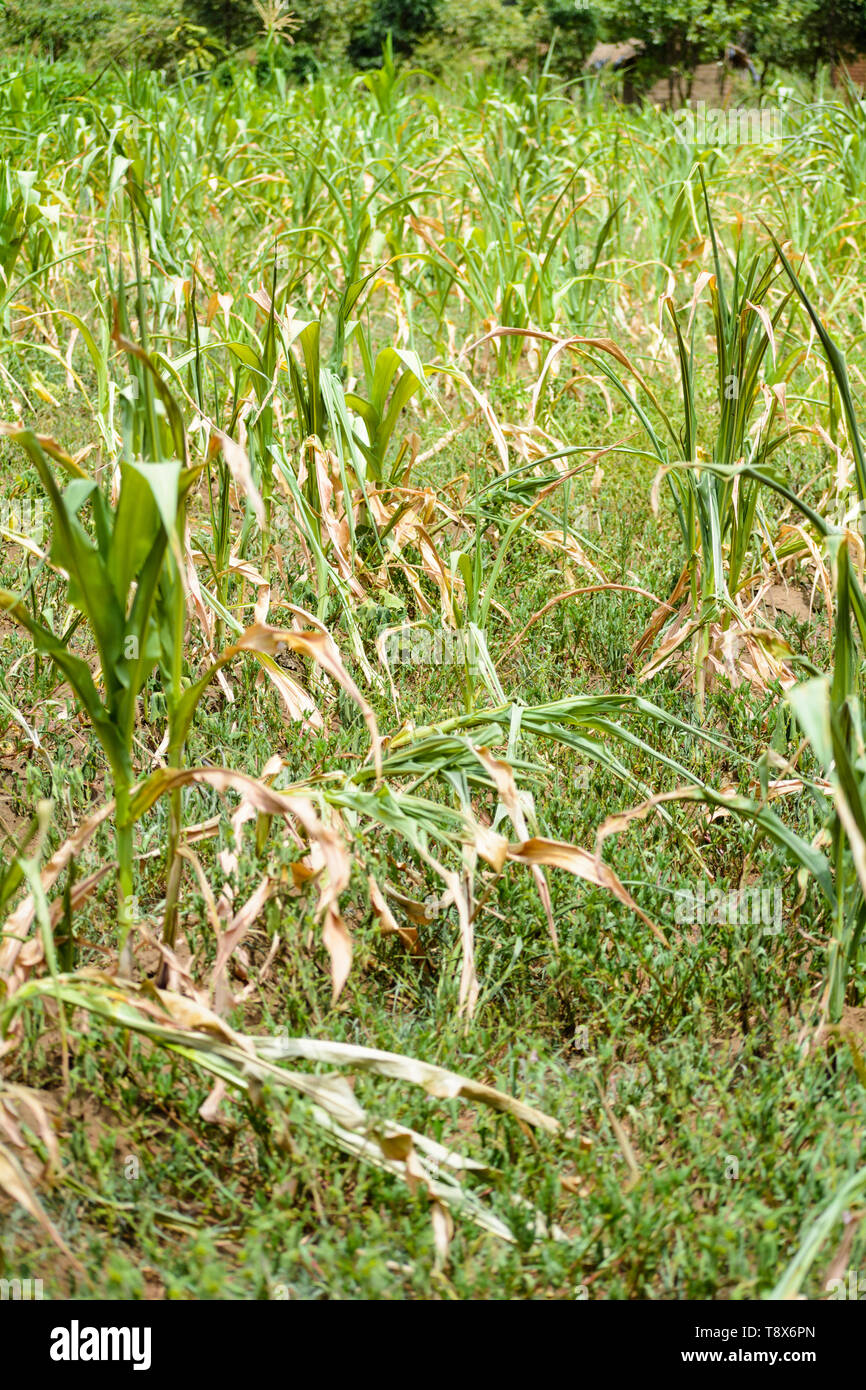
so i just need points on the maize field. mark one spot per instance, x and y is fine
(432, 628)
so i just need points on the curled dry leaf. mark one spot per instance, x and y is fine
(330, 854)
(436, 1081)
(18, 923)
(387, 920)
(575, 860)
(19, 1105)
(329, 1103)
(503, 778)
(577, 593)
(239, 466)
(230, 936)
(16, 1184)
(320, 648)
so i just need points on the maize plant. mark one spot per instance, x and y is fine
(115, 563)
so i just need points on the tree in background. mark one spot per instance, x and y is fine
(573, 29)
(793, 35)
(494, 32)
(407, 22)
(436, 33)
(159, 33)
(234, 22)
(320, 30)
(58, 30)
(801, 34)
(676, 35)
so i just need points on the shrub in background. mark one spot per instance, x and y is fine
(802, 34)
(490, 31)
(407, 22)
(161, 33)
(793, 35)
(64, 29)
(574, 33)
